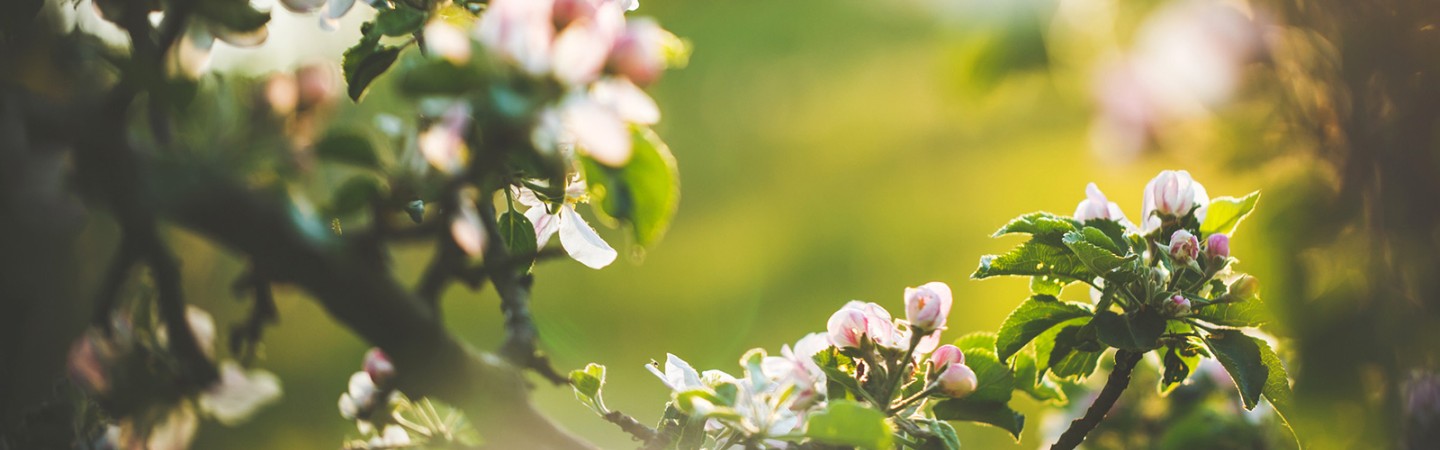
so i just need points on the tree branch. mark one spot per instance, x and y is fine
(513, 284)
(361, 293)
(1119, 379)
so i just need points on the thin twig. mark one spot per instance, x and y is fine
(1119, 379)
(637, 430)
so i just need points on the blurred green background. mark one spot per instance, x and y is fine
(829, 150)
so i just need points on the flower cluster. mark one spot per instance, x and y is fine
(116, 365)
(387, 419)
(866, 361)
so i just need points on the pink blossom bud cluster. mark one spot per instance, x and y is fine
(860, 325)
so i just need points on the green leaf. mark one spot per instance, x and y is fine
(645, 192)
(983, 340)
(367, 60)
(1177, 363)
(1246, 312)
(353, 195)
(1034, 258)
(1277, 387)
(1029, 380)
(1096, 250)
(1034, 316)
(400, 21)
(1225, 213)
(517, 233)
(1241, 357)
(837, 368)
(1135, 331)
(1043, 226)
(945, 435)
(1049, 285)
(845, 422)
(1113, 230)
(232, 15)
(971, 409)
(996, 382)
(1058, 351)
(589, 380)
(349, 147)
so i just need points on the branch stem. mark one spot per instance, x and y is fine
(1119, 379)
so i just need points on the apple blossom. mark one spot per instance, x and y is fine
(640, 52)
(928, 306)
(239, 393)
(678, 374)
(580, 241)
(1184, 247)
(945, 356)
(443, 143)
(957, 381)
(466, 228)
(847, 328)
(1217, 246)
(1172, 194)
(448, 42)
(1096, 206)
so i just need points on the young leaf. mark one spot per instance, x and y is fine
(983, 340)
(1245, 313)
(1049, 285)
(367, 60)
(1241, 357)
(1177, 362)
(992, 413)
(833, 364)
(236, 15)
(1225, 213)
(399, 21)
(1135, 331)
(1043, 226)
(587, 383)
(944, 433)
(1059, 351)
(1277, 386)
(997, 383)
(1034, 258)
(1113, 230)
(645, 192)
(1034, 316)
(845, 422)
(1029, 381)
(517, 233)
(348, 147)
(1096, 250)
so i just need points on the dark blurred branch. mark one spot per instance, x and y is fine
(633, 427)
(246, 337)
(361, 293)
(1119, 379)
(512, 281)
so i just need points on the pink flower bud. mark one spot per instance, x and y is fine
(1217, 246)
(1171, 194)
(958, 381)
(946, 355)
(639, 52)
(378, 366)
(927, 306)
(1178, 305)
(1184, 247)
(846, 328)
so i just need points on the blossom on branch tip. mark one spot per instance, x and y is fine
(1170, 195)
(928, 306)
(378, 366)
(1097, 206)
(578, 239)
(945, 356)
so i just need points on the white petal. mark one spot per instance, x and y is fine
(580, 51)
(176, 432)
(680, 374)
(447, 41)
(581, 241)
(546, 224)
(628, 100)
(467, 230)
(443, 144)
(239, 393)
(203, 326)
(361, 387)
(599, 131)
(348, 408)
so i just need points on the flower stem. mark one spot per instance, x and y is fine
(912, 399)
(897, 377)
(1119, 379)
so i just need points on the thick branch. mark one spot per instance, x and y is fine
(1119, 379)
(360, 293)
(513, 285)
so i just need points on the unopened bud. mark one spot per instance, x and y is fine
(1245, 287)
(1178, 305)
(1217, 246)
(958, 381)
(945, 356)
(927, 306)
(378, 366)
(1184, 247)
(846, 328)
